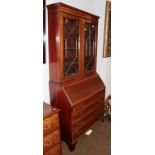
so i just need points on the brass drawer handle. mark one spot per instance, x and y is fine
(79, 114)
(78, 124)
(80, 107)
(45, 125)
(80, 132)
(48, 125)
(50, 141)
(47, 142)
(77, 108)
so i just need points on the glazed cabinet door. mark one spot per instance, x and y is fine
(71, 53)
(90, 41)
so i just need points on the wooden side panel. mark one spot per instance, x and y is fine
(53, 41)
(59, 99)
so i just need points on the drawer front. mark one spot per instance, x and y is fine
(51, 123)
(89, 108)
(88, 117)
(56, 150)
(84, 127)
(85, 104)
(51, 139)
(85, 113)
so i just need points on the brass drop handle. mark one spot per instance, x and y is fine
(80, 132)
(80, 107)
(47, 142)
(47, 125)
(51, 124)
(78, 124)
(79, 114)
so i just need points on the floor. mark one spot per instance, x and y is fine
(98, 143)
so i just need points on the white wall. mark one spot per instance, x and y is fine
(103, 64)
(96, 7)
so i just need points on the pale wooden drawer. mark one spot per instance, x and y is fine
(51, 123)
(55, 150)
(51, 139)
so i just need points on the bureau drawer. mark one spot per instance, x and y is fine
(99, 97)
(84, 113)
(51, 123)
(51, 139)
(55, 150)
(84, 126)
(87, 117)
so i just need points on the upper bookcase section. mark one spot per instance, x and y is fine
(72, 43)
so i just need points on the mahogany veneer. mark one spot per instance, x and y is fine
(75, 87)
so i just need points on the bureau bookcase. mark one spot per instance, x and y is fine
(75, 87)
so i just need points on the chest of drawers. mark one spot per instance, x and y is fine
(51, 131)
(85, 114)
(81, 104)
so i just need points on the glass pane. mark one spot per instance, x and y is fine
(70, 41)
(89, 47)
